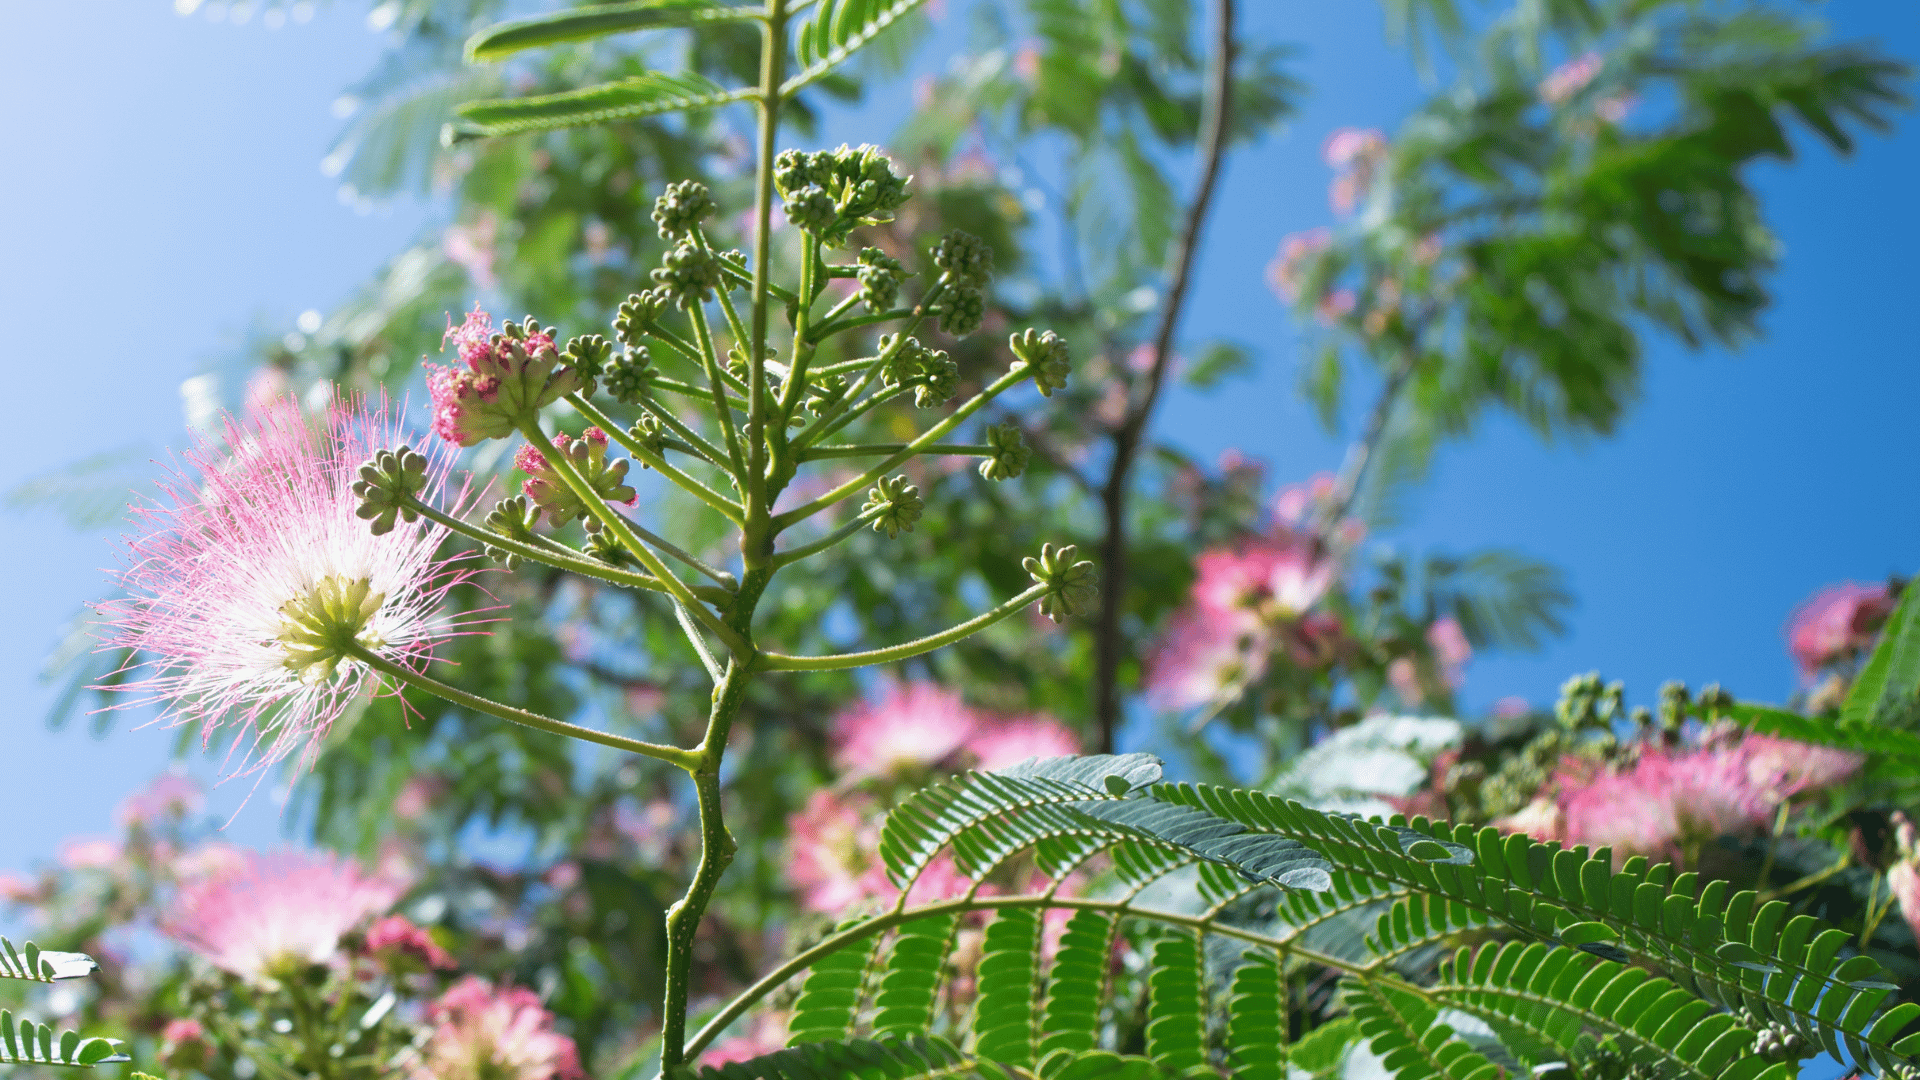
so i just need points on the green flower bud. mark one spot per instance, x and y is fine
(649, 434)
(388, 483)
(812, 210)
(1010, 453)
(962, 310)
(902, 501)
(880, 276)
(684, 206)
(637, 315)
(1072, 584)
(795, 169)
(587, 354)
(941, 380)
(1044, 354)
(628, 376)
(834, 388)
(513, 518)
(554, 496)
(601, 546)
(964, 258)
(869, 190)
(689, 274)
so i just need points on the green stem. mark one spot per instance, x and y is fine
(828, 327)
(820, 427)
(782, 662)
(724, 292)
(673, 755)
(794, 555)
(872, 402)
(738, 272)
(721, 412)
(545, 556)
(700, 392)
(712, 454)
(660, 465)
(623, 531)
(870, 449)
(927, 438)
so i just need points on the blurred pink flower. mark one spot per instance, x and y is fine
(286, 908)
(1011, 740)
(1614, 109)
(1335, 306)
(1903, 877)
(1669, 801)
(235, 580)
(1284, 272)
(179, 1031)
(941, 880)
(418, 795)
(912, 726)
(1450, 647)
(17, 889)
(766, 1034)
(1201, 654)
(397, 936)
(1790, 767)
(484, 1033)
(1291, 504)
(1026, 63)
(215, 858)
(89, 853)
(830, 844)
(1836, 622)
(1570, 78)
(1511, 706)
(1356, 153)
(165, 797)
(1222, 637)
(1541, 819)
(470, 246)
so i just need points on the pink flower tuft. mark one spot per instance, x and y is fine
(1356, 153)
(484, 1033)
(831, 841)
(90, 853)
(1285, 273)
(470, 247)
(1570, 78)
(166, 797)
(17, 889)
(506, 380)
(276, 912)
(1291, 505)
(1835, 624)
(181, 1031)
(767, 1034)
(913, 726)
(401, 940)
(231, 574)
(1203, 654)
(1010, 741)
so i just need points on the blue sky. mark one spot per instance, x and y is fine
(177, 162)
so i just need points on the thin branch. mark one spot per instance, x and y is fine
(1108, 643)
(843, 661)
(870, 449)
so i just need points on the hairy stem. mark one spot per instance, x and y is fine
(686, 759)
(1110, 645)
(659, 464)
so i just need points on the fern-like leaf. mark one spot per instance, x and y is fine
(1890, 679)
(38, 1044)
(830, 996)
(648, 94)
(1177, 1005)
(597, 21)
(1411, 1043)
(1257, 1020)
(838, 29)
(1004, 1016)
(925, 1056)
(904, 1004)
(32, 964)
(1077, 982)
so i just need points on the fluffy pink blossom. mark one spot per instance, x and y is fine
(1451, 651)
(418, 795)
(185, 1030)
(165, 797)
(215, 858)
(1291, 504)
(1285, 272)
(1239, 598)
(766, 1034)
(90, 853)
(482, 1032)
(1203, 653)
(254, 567)
(1011, 740)
(912, 726)
(1356, 153)
(401, 940)
(1541, 819)
(1570, 78)
(1835, 623)
(1903, 877)
(1667, 802)
(1790, 767)
(17, 889)
(831, 842)
(275, 911)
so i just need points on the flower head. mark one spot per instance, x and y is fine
(1667, 801)
(913, 726)
(1836, 622)
(167, 796)
(257, 595)
(486, 1033)
(397, 940)
(1011, 740)
(507, 378)
(273, 913)
(1570, 78)
(830, 844)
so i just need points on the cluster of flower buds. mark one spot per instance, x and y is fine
(880, 275)
(902, 502)
(588, 455)
(1585, 702)
(687, 274)
(514, 518)
(828, 193)
(931, 372)
(388, 487)
(681, 210)
(1044, 354)
(1010, 453)
(966, 265)
(507, 379)
(1072, 582)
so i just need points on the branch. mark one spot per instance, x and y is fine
(843, 661)
(686, 759)
(794, 555)
(870, 449)
(1108, 644)
(1346, 488)
(657, 462)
